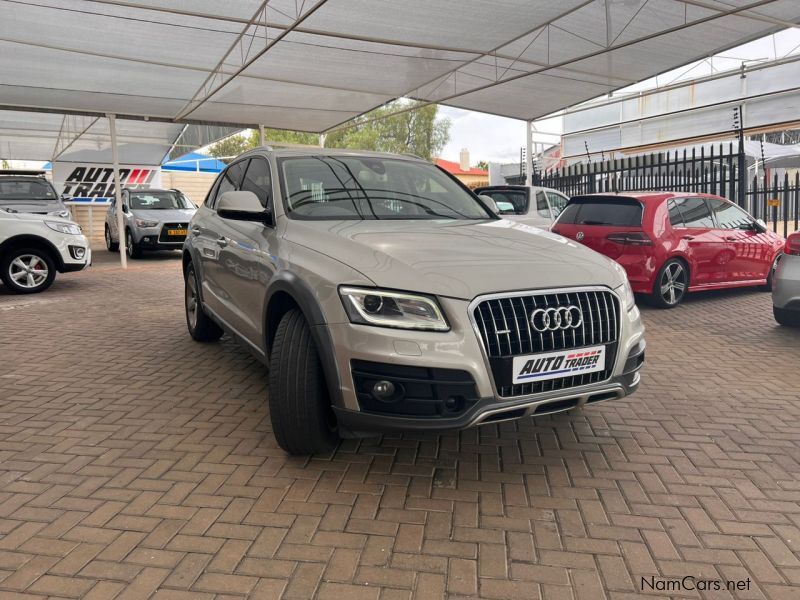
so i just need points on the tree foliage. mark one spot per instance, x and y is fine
(416, 131)
(482, 164)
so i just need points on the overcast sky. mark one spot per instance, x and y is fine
(498, 139)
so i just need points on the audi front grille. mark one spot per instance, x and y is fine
(506, 330)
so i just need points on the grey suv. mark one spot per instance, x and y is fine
(383, 295)
(154, 220)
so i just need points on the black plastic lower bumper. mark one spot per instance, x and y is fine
(353, 423)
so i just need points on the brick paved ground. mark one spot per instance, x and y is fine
(135, 463)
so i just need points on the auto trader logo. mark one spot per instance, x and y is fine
(98, 182)
(560, 364)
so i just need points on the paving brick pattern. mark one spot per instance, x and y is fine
(135, 463)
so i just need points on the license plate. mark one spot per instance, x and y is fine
(176, 232)
(553, 365)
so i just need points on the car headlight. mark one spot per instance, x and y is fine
(64, 214)
(625, 291)
(70, 228)
(144, 223)
(370, 306)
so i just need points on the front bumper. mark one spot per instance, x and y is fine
(461, 351)
(786, 283)
(71, 265)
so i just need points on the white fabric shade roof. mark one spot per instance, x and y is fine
(312, 65)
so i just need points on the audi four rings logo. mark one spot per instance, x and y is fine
(553, 319)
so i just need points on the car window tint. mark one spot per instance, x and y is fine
(675, 216)
(231, 179)
(557, 202)
(695, 212)
(728, 215)
(602, 210)
(517, 198)
(541, 205)
(258, 180)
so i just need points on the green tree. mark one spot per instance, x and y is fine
(5, 164)
(482, 164)
(417, 132)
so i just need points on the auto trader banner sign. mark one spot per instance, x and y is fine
(95, 182)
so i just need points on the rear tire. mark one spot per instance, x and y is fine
(671, 285)
(299, 404)
(787, 318)
(201, 327)
(27, 270)
(111, 245)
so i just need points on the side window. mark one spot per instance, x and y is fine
(231, 179)
(695, 212)
(675, 216)
(557, 202)
(729, 216)
(258, 180)
(212, 193)
(541, 205)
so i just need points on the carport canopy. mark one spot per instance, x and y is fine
(312, 65)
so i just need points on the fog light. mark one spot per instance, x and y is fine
(383, 389)
(77, 252)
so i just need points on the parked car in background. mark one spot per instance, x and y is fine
(532, 205)
(29, 192)
(671, 243)
(154, 220)
(786, 284)
(384, 297)
(34, 247)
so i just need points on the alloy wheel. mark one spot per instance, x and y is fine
(191, 299)
(673, 283)
(28, 271)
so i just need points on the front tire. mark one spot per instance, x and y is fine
(671, 284)
(299, 405)
(201, 327)
(28, 270)
(133, 249)
(787, 318)
(767, 287)
(111, 245)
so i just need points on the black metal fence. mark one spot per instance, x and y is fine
(777, 201)
(719, 169)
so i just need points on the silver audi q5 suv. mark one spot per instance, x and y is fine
(383, 295)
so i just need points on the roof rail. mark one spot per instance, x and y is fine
(28, 172)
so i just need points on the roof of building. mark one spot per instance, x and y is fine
(455, 169)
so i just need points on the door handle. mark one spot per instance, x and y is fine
(221, 241)
(688, 237)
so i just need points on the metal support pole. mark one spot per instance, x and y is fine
(112, 126)
(322, 137)
(528, 153)
(260, 135)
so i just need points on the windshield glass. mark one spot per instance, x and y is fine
(25, 189)
(349, 187)
(158, 200)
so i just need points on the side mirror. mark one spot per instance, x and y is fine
(65, 197)
(242, 206)
(761, 226)
(489, 201)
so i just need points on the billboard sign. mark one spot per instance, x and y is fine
(94, 182)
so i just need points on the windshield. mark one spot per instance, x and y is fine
(26, 189)
(348, 187)
(158, 200)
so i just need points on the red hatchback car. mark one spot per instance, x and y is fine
(671, 243)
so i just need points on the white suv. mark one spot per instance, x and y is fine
(34, 247)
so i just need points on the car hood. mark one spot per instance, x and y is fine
(21, 216)
(162, 215)
(32, 206)
(458, 259)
